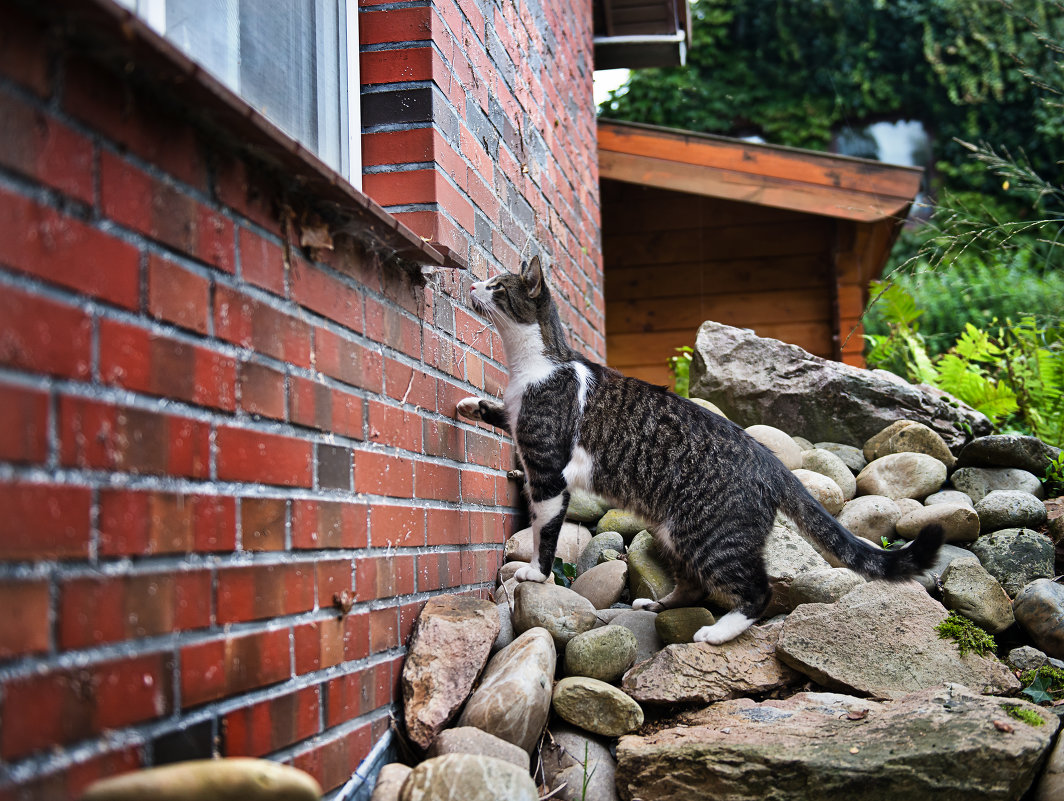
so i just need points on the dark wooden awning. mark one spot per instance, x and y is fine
(641, 33)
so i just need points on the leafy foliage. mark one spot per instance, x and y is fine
(680, 367)
(564, 572)
(1013, 372)
(968, 636)
(1054, 477)
(802, 74)
(1044, 685)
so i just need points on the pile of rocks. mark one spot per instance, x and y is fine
(845, 690)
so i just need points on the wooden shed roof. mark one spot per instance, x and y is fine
(768, 175)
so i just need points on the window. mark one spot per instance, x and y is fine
(294, 61)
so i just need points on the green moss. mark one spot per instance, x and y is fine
(1028, 716)
(967, 635)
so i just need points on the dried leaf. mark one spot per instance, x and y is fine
(857, 714)
(314, 233)
(1001, 725)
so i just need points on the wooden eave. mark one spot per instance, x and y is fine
(641, 33)
(841, 187)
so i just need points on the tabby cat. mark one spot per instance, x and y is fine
(709, 490)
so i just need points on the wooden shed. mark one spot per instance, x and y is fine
(780, 240)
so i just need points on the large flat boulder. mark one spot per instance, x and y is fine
(942, 743)
(879, 639)
(757, 380)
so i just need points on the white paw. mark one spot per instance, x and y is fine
(469, 408)
(707, 634)
(647, 603)
(727, 628)
(529, 573)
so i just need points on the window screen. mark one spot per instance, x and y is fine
(286, 58)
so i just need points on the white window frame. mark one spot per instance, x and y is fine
(338, 113)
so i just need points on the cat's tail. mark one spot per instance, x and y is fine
(856, 553)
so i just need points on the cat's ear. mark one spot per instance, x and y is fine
(532, 276)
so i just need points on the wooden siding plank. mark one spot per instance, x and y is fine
(741, 309)
(684, 279)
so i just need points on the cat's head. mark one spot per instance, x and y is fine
(521, 308)
(507, 298)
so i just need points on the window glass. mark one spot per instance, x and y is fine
(288, 59)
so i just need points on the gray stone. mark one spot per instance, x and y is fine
(641, 623)
(596, 706)
(506, 627)
(468, 777)
(701, 673)
(450, 644)
(625, 523)
(874, 447)
(787, 554)
(471, 740)
(1010, 509)
(648, 575)
(782, 446)
(571, 541)
(902, 475)
(1039, 608)
(803, 443)
(513, 699)
(959, 522)
(969, 590)
(758, 380)
(585, 507)
(946, 554)
(850, 455)
(823, 488)
(609, 555)
(949, 496)
(871, 517)
(1027, 658)
(589, 557)
(828, 464)
(1015, 557)
(907, 505)
(603, 584)
(1050, 787)
(603, 654)
(824, 586)
(913, 438)
(679, 625)
(940, 743)
(390, 780)
(579, 762)
(559, 610)
(978, 482)
(1008, 450)
(880, 639)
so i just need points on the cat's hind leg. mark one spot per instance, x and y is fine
(687, 592)
(749, 586)
(488, 411)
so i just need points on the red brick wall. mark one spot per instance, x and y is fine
(229, 472)
(494, 156)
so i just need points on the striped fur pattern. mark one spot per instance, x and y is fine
(710, 490)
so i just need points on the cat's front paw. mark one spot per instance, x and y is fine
(470, 408)
(647, 603)
(529, 573)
